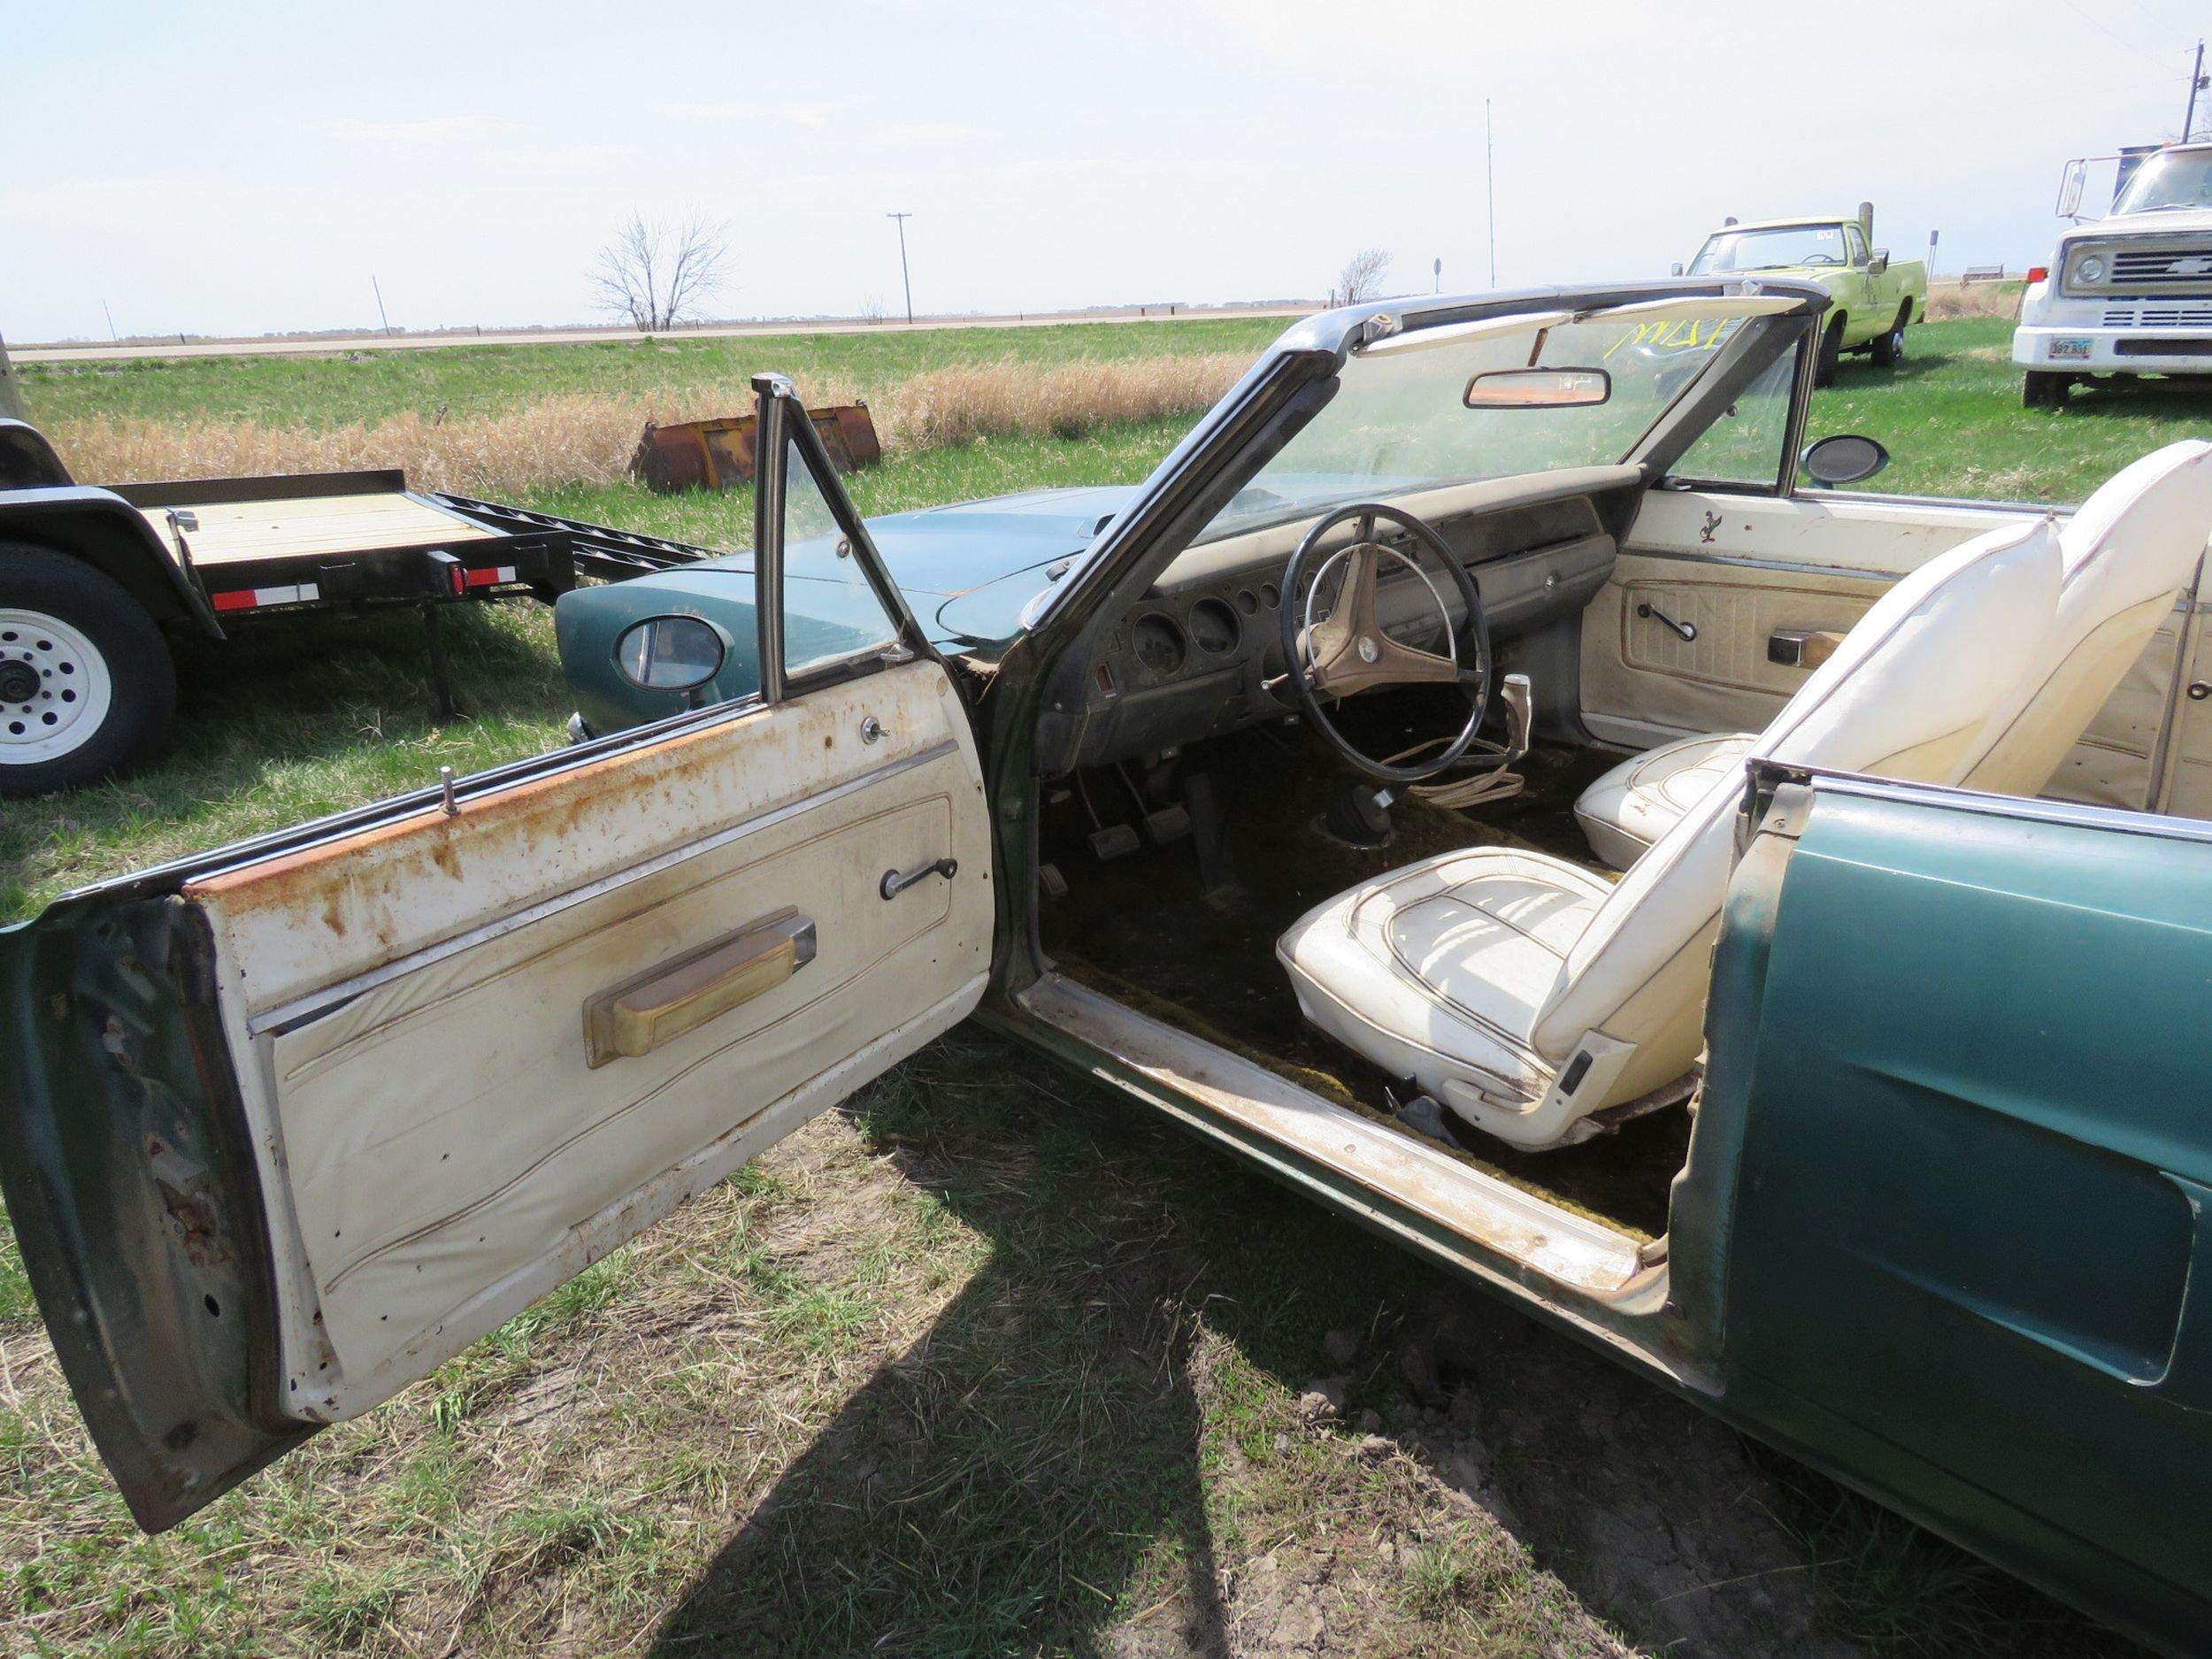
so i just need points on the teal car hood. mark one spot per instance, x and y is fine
(968, 571)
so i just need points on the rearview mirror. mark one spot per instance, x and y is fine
(1845, 459)
(669, 654)
(1879, 263)
(1675, 269)
(1539, 388)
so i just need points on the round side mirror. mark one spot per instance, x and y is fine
(669, 653)
(1844, 458)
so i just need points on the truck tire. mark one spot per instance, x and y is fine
(1831, 353)
(87, 686)
(2042, 390)
(1889, 349)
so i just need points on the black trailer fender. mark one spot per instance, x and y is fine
(107, 533)
(26, 460)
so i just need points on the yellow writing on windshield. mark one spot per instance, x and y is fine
(1682, 334)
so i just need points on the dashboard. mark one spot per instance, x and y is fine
(1193, 658)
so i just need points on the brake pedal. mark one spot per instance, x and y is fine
(1115, 841)
(1170, 824)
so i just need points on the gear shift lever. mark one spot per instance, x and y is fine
(1520, 715)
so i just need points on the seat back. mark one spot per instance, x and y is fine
(2125, 556)
(1911, 693)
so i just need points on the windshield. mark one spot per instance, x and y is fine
(2171, 178)
(1770, 249)
(1400, 419)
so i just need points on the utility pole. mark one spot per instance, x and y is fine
(11, 392)
(2196, 85)
(377, 289)
(1490, 186)
(110, 315)
(904, 281)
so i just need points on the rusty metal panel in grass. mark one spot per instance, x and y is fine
(719, 453)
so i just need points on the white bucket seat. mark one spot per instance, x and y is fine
(2124, 556)
(1525, 993)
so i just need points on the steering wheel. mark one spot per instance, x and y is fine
(1348, 652)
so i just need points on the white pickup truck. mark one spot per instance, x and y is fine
(2128, 294)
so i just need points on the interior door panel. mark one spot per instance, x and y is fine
(409, 1010)
(1738, 569)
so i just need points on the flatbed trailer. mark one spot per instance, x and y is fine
(94, 578)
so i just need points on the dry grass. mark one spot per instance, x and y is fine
(1949, 299)
(586, 438)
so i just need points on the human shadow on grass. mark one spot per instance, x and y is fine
(1034, 1474)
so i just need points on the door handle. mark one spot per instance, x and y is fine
(1802, 648)
(893, 883)
(1687, 630)
(637, 1016)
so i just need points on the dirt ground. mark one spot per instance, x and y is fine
(990, 1363)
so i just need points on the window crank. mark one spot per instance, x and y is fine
(1687, 630)
(896, 883)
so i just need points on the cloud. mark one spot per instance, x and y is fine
(425, 132)
(813, 115)
(930, 133)
(556, 158)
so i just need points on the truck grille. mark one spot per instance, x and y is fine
(2141, 268)
(2158, 316)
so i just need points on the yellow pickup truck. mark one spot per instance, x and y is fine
(1872, 298)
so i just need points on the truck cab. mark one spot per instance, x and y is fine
(1872, 298)
(2130, 293)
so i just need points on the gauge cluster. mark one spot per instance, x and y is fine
(1197, 659)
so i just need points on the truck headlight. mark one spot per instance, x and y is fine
(2089, 267)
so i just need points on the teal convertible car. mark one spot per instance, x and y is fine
(1763, 931)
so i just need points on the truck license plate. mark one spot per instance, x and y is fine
(2072, 347)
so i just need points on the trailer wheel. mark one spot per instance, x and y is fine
(87, 686)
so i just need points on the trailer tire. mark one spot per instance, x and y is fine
(87, 684)
(2042, 390)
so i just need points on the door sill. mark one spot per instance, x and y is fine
(1380, 1176)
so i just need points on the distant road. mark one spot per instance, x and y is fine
(326, 344)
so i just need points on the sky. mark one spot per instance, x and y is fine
(229, 167)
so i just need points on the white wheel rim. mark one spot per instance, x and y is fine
(62, 711)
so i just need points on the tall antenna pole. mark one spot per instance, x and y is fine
(2196, 84)
(1490, 187)
(378, 290)
(111, 317)
(905, 281)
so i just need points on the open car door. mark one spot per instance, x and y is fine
(285, 1126)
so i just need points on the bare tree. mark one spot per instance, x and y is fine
(655, 271)
(1361, 278)
(11, 390)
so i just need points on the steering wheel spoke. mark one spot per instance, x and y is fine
(1348, 652)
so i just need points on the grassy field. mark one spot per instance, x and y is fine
(469, 380)
(984, 1365)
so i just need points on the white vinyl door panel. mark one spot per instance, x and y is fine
(1738, 568)
(409, 1006)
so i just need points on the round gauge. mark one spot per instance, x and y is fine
(1247, 602)
(1158, 644)
(1270, 595)
(1215, 627)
